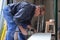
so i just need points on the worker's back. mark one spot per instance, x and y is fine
(15, 14)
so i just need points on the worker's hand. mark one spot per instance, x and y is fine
(23, 31)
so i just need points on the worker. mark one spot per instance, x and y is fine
(19, 16)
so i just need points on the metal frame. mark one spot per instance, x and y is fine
(56, 17)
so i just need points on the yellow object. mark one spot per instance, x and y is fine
(4, 31)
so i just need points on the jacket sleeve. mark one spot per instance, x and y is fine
(23, 15)
(6, 13)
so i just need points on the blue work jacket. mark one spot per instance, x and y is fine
(18, 14)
